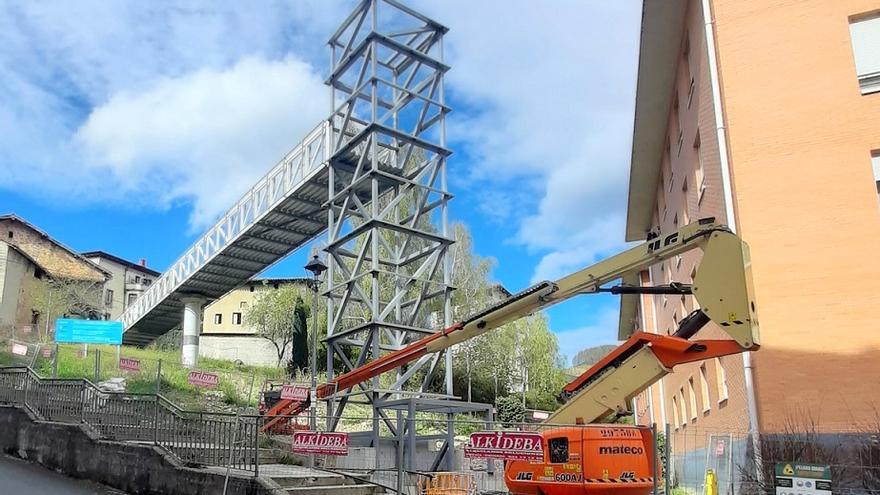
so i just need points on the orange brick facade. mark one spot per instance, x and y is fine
(800, 137)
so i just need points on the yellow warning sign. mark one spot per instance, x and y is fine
(788, 470)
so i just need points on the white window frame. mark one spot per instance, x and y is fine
(721, 381)
(864, 34)
(675, 412)
(693, 398)
(683, 407)
(704, 390)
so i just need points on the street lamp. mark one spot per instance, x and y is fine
(317, 268)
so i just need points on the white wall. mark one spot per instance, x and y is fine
(248, 350)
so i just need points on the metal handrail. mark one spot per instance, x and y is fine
(194, 437)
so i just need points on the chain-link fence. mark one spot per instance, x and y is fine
(852, 453)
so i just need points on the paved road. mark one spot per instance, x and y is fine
(17, 476)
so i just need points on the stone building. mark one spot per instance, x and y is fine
(33, 263)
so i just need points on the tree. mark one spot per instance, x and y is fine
(273, 314)
(299, 359)
(492, 365)
(54, 298)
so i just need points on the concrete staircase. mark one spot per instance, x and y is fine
(297, 480)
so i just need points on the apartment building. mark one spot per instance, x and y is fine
(129, 281)
(225, 333)
(765, 115)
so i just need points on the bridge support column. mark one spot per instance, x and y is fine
(192, 324)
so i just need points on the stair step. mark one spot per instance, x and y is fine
(335, 490)
(312, 481)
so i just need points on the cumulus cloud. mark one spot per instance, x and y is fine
(86, 124)
(603, 325)
(551, 92)
(151, 103)
(205, 136)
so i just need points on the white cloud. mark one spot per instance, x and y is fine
(205, 136)
(187, 103)
(602, 331)
(551, 91)
(92, 67)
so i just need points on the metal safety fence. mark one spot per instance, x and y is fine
(742, 463)
(195, 437)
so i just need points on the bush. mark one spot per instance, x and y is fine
(510, 410)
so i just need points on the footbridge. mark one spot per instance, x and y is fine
(281, 212)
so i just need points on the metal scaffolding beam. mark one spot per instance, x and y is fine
(388, 278)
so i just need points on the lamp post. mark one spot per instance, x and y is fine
(317, 268)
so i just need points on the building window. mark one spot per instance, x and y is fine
(685, 216)
(699, 172)
(137, 279)
(147, 281)
(721, 379)
(678, 132)
(236, 318)
(132, 298)
(683, 406)
(693, 398)
(704, 389)
(682, 307)
(9, 234)
(242, 305)
(675, 412)
(875, 164)
(865, 34)
(690, 73)
(218, 318)
(108, 297)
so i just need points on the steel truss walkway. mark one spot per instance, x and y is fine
(279, 214)
(387, 92)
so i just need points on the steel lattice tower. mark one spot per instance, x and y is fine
(388, 279)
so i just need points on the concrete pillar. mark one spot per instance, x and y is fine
(192, 324)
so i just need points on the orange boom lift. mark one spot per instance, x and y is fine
(610, 458)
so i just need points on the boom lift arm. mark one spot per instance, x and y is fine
(722, 287)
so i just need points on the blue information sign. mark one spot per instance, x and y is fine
(88, 331)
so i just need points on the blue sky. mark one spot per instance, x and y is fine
(129, 126)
